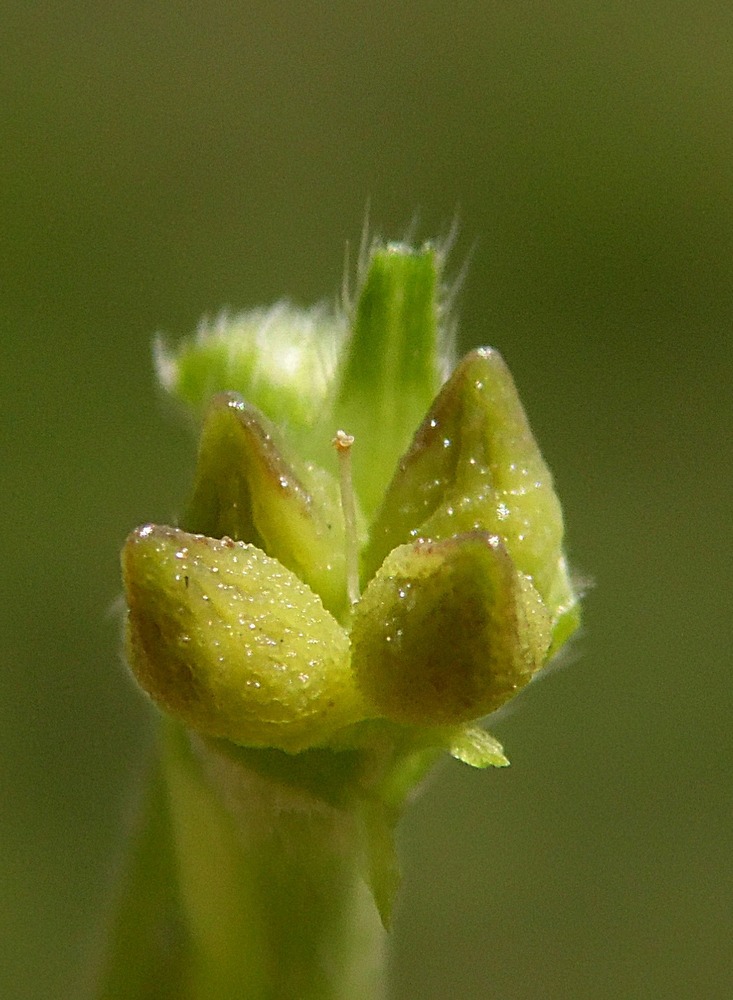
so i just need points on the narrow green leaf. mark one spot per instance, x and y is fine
(390, 372)
(270, 878)
(382, 869)
(219, 897)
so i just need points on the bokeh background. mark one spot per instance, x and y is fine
(161, 160)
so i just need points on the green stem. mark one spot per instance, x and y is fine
(270, 882)
(265, 881)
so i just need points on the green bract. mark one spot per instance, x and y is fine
(242, 623)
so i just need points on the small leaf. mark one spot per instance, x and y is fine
(232, 643)
(382, 871)
(477, 748)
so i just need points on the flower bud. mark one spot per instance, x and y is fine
(254, 628)
(281, 359)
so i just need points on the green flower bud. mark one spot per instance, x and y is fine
(282, 359)
(264, 639)
(232, 643)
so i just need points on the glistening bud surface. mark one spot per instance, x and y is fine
(232, 643)
(474, 465)
(447, 631)
(247, 488)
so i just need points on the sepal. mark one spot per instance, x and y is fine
(474, 465)
(246, 488)
(477, 748)
(229, 641)
(447, 631)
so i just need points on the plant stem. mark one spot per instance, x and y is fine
(264, 895)
(270, 881)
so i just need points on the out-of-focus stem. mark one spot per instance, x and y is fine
(270, 883)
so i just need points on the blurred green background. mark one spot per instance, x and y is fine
(160, 161)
